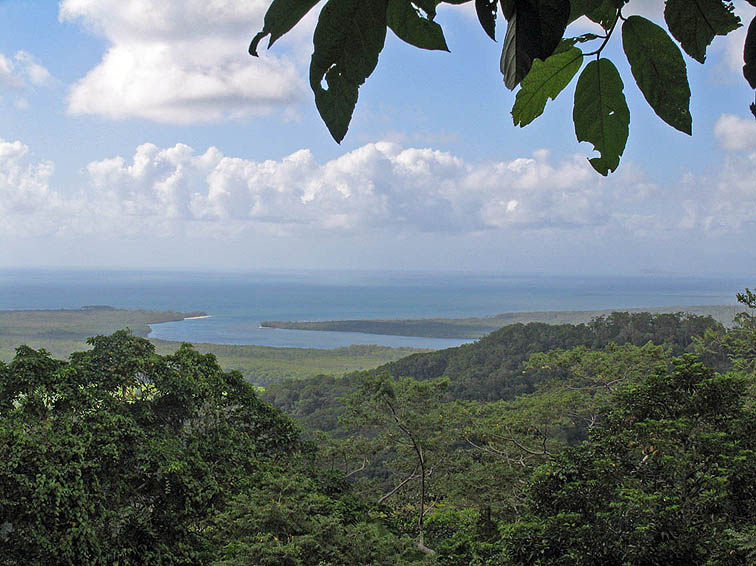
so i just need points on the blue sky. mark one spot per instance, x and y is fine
(138, 133)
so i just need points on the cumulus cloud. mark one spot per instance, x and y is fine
(379, 188)
(28, 206)
(179, 61)
(735, 133)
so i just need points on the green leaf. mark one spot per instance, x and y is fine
(659, 71)
(605, 14)
(507, 8)
(486, 10)
(347, 40)
(427, 6)
(410, 26)
(545, 80)
(282, 15)
(749, 54)
(600, 113)
(579, 8)
(534, 31)
(694, 23)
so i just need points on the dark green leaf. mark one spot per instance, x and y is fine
(507, 8)
(605, 14)
(407, 24)
(486, 10)
(282, 15)
(659, 71)
(569, 42)
(579, 8)
(749, 54)
(347, 40)
(545, 80)
(694, 23)
(534, 31)
(600, 113)
(427, 6)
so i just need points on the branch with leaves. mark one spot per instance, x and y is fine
(536, 55)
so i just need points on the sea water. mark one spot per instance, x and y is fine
(238, 302)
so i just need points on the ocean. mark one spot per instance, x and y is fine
(238, 302)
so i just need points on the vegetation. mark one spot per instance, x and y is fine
(62, 332)
(65, 330)
(536, 55)
(264, 365)
(603, 443)
(477, 327)
(122, 456)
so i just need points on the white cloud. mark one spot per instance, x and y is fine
(376, 186)
(27, 204)
(179, 61)
(380, 189)
(20, 74)
(735, 133)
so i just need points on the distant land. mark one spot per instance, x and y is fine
(477, 327)
(63, 331)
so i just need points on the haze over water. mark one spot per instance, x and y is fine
(238, 302)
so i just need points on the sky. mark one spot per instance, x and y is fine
(140, 134)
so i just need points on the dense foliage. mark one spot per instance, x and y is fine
(581, 451)
(669, 478)
(536, 55)
(121, 456)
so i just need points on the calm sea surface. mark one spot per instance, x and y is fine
(238, 302)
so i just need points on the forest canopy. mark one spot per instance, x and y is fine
(565, 444)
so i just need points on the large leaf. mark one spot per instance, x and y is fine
(410, 26)
(486, 10)
(545, 80)
(579, 8)
(427, 6)
(659, 71)
(347, 40)
(282, 15)
(749, 55)
(600, 113)
(534, 31)
(604, 14)
(694, 23)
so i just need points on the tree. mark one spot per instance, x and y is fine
(668, 478)
(399, 413)
(304, 518)
(536, 55)
(121, 456)
(733, 348)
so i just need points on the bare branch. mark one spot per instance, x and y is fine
(412, 476)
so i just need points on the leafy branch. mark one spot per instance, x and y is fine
(536, 56)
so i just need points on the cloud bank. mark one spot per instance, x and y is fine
(379, 187)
